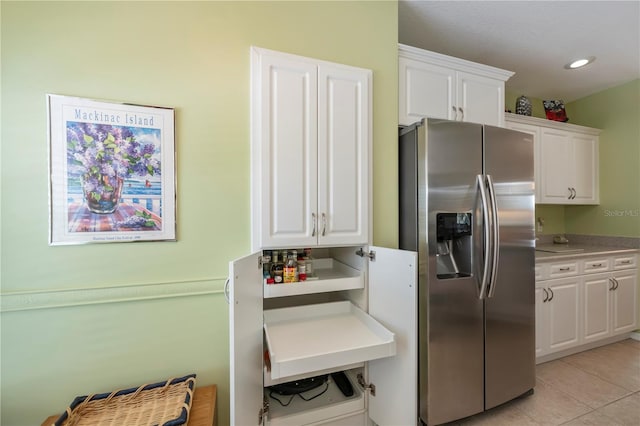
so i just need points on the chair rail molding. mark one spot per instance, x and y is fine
(67, 297)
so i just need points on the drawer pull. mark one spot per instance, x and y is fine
(625, 262)
(596, 265)
(565, 269)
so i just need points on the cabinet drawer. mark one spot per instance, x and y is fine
(625, 262)
(591, 266)
(563, 269)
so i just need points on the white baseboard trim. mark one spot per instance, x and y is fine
(586, 347)
(30, 300)
(635, 335)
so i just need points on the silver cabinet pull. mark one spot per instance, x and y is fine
(612, 284)
(573, 193)
(616, 284)
(313, 218)
(570, 193)
(551, 298)
(546, 295)
(226, 291)
(324, 223)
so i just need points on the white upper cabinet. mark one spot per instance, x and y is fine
(438, 86)
(566, 156)
(311, 137)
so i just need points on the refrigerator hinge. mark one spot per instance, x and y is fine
(262, 414)
(365, 385)
(371, 255)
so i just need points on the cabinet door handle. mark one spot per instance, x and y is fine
(313, 219)
(226, 291)
(455, 113)
(616, 284)
(546, 295)
(551, 298)
(574, 193)
(612, 284)
(461, 114)
(324, 223)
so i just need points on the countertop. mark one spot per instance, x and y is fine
(586, 251)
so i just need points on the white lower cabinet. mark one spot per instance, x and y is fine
(557, 315)
(596, 299)
(359, 317)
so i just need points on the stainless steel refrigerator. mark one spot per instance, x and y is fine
(467, 207)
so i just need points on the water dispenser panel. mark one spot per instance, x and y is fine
(453, 245)
(452, 225)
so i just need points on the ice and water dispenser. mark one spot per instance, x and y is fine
(454, 243)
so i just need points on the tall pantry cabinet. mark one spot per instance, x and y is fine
(311, 167)
(310, 182)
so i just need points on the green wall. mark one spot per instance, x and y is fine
(82, 319)
(616, 111)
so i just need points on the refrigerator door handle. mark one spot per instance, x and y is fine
(495, 236)
(487, 236)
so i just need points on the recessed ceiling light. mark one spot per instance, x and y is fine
(579, 63)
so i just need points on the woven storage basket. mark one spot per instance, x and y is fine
(164, 403)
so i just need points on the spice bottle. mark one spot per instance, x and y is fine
(277, 268)
(291, 268)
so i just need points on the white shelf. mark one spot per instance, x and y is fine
(330, 404)
(309, 338)
(331, 276)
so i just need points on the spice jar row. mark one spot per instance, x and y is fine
(287, 266)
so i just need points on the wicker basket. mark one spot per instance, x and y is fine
(164, 403)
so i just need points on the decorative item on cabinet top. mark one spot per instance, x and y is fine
(555, 111)
(523, 106)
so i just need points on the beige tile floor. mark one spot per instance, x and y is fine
(599, 387)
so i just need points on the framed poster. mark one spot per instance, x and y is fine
(112, 172)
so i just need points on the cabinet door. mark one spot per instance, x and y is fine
(564, 318)
(284, 161)
(534, 131)
(556, 166)
(542, 320)
(585, 166)
(597, 307)
(393, 302)
(245, 340)
(625, 302)
(426, 90)
(344, 133)
(480, 99)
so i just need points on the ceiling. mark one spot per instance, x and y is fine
(535, 39)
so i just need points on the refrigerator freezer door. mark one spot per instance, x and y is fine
(392, 301)
(510, 312)
(245, 335)
(451, 351)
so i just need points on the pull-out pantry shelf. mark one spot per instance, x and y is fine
(329, 275)
(304, 339)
